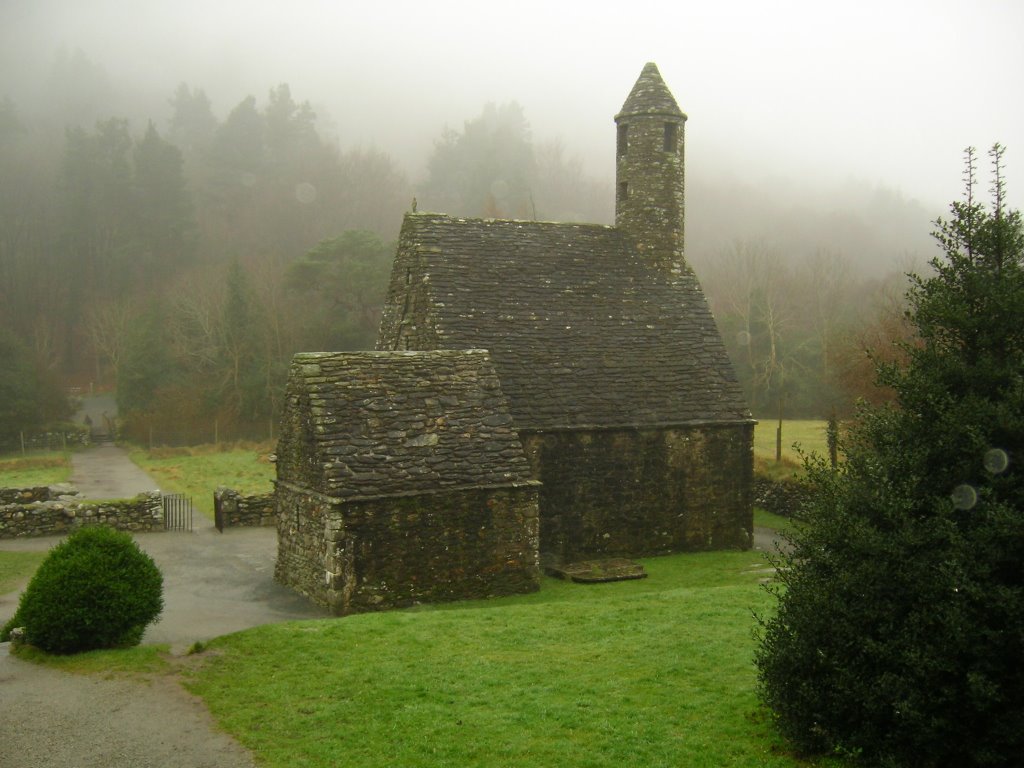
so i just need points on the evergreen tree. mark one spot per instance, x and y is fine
(289, 127)
(192, 123)
(487, 169)
(146, 366)
(94, 225)
(900, 626)
(161, 204)
(242, 380)
(342, 282)
(29, 396)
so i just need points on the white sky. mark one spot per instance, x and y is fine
(880, 92)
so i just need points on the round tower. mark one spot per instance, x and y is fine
(649, 168)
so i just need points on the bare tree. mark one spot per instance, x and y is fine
(749, 288)
(108, 326)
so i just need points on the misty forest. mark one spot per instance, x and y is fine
(181, 256)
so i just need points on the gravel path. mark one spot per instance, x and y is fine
(106, 472)
(214, 584)
(52, 719)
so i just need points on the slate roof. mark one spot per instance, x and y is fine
(367, 424)
(650, 96)
(582, 331)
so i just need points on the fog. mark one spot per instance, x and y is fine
(806, 94)
(176, 221)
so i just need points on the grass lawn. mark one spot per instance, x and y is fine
(142, 660)
(36, 469)
(17, 566)
(197, 471)
(656, 672)
(765, 519)
(808, 434)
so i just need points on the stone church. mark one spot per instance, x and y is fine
(617, 380)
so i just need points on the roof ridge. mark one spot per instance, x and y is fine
(485, 220)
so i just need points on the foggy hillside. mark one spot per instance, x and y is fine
(874, 225)
(189, 195)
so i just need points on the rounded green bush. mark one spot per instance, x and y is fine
(96, 589)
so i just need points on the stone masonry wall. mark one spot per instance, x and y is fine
(36, 493)
(390, 552)
(643, 492)
(785, 497)
(239, 510)
(301, 540)
(63, 512)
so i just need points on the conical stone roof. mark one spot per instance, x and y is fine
(650, 96)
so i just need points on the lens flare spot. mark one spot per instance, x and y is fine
(964, 497)
(996, 460)
(305, 193)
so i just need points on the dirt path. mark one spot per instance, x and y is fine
(214, 584)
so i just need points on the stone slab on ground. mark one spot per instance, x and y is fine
(598, 571)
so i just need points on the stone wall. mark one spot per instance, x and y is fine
(36, 493)
(640, 492)
(785, 497)
(237, 510)
(70, 436)
(56, 511)
(391, 552)
(406, 322)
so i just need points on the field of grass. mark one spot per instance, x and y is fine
(142, 660)
(197, 471)
(656, 672)
(764, 519)
(808, 434)
(36, 469)
(17, 566)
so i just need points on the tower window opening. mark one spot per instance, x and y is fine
(671, 134)
(623, 190)
(622, 142)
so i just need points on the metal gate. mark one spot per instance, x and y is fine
(177, 512)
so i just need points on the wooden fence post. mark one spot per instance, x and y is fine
(778, 435)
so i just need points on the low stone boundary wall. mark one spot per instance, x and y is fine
(37, 493)
(234, 510)
(781, 497)
(56, 510)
